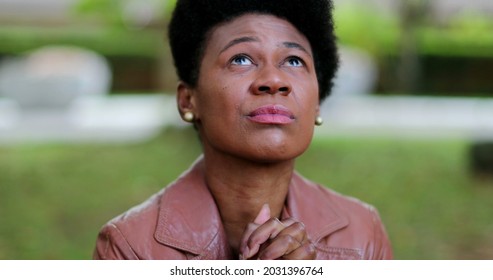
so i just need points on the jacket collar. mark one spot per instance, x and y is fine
(310, 203)
(189, 220)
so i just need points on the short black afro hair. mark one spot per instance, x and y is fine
(193, 19)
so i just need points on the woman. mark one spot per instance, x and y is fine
(252, 75)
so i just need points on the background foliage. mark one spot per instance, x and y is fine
(54, 198)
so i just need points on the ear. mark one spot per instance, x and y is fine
(185, 99)
(317, 110)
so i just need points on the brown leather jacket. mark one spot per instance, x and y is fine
(182, 222)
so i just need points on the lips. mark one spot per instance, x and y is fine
(271, 114)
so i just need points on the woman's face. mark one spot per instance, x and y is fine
(257, 92)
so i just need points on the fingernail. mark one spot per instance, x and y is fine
(241, 258)
(246, 253)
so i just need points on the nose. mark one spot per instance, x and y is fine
(271, 80)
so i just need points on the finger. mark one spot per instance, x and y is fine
(244, 250)
(305, 252)
(286, 241)
(260, 235)
(259, 239)
(295, 229)
(262, 217)
(289, 221)
(279, 247)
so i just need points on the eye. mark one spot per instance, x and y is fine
(294, 61)
(241, 60)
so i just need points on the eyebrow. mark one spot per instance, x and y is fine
(239, 41)
(293, 45)
(290, 45)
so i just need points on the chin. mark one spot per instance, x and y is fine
(277, 154)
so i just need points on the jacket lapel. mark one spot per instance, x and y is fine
(188, 217)
(310, 204)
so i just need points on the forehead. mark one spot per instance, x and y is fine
(261, 27)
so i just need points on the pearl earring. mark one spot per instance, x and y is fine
(319, 121)
(188, 117)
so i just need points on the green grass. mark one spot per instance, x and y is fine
(54, 198)
(431, 204)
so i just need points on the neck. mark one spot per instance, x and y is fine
(240, 189)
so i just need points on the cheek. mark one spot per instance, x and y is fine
(218, 106)
(309, 101)
(208, 99)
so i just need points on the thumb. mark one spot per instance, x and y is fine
(263, 216)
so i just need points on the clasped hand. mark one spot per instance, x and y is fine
(269, 238)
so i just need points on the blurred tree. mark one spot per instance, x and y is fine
(412, 15)
(127, 13)
(133, 15)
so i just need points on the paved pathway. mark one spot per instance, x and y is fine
(126, 118)
(136, 118)
(419, 117)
